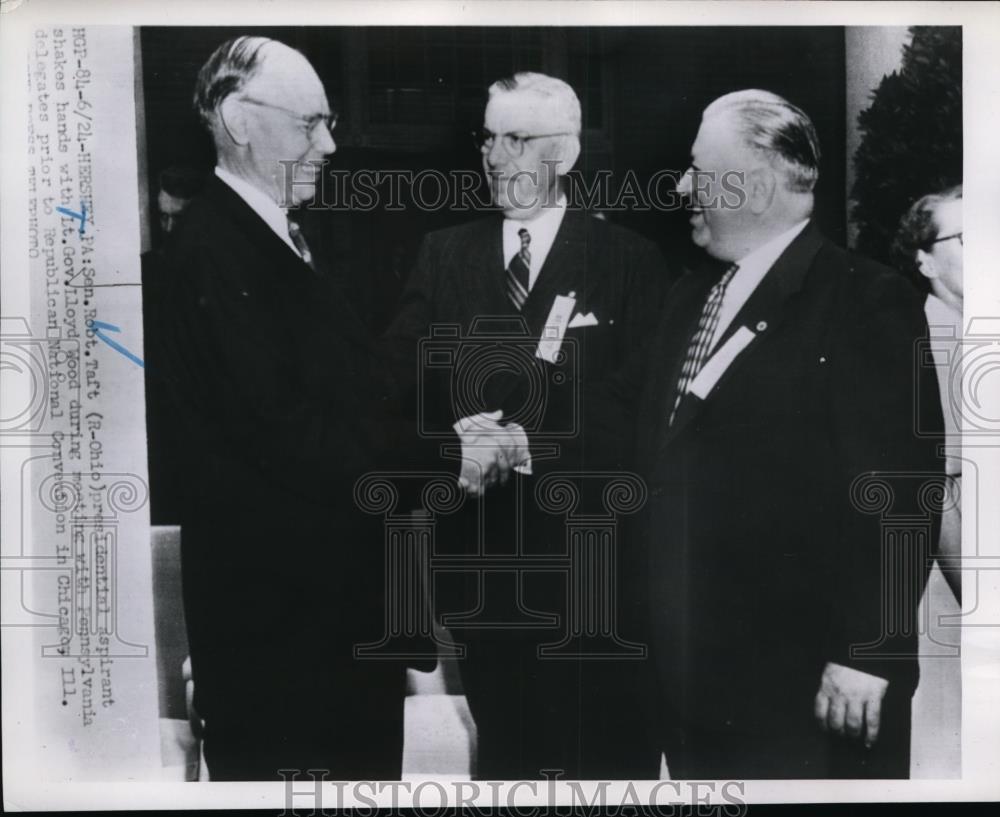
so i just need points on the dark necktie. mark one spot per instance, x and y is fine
(518, 275)
(299, 240)
(698, 348)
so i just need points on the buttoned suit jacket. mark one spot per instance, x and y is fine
(457, 297)
(532, 713)
(275, 414)
(767, 553)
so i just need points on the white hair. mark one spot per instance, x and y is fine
(774, 127)
(561, 104)
(231, 66)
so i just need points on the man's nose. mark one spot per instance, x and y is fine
(323, 140)
(495, 153)
(684, 184)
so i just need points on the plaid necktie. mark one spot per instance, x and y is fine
(299, 240)
(698, 348)
(518, 275)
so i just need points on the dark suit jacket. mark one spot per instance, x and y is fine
(459, 282)
(276, 417)
(528, 709)
(761, 566)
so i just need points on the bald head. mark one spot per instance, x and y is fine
(257, 63)
(268, 115)
(287, 76)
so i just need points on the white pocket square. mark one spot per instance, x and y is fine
(579, 319)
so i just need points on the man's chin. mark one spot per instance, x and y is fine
(701, 238)
(303, 193)
(519, 209)
(522, 207)
(520, 213)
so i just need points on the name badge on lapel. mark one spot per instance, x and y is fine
(555, 327)
(719, 362)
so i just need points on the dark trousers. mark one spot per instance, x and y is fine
(798, 750)
(272, 633)
(252, 750)
(537, 717)
(352, 727)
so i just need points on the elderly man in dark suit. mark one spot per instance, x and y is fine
(783, 621)
(543, 302)
(267, 368)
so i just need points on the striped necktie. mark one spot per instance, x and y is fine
(518, 275)
(699, 347)
(299, 240)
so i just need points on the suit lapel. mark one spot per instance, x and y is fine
(765, 305)
(250, 224)
(282, 259)
(685, 304)
(763, 313)
(482, 268)
(560, 275)
(564, 271)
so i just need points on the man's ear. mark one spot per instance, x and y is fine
(568, 153)
(234, 120)
(926, 265)
(762, 182)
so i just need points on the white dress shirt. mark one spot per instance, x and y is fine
(263, 205)
(542, 228)
(753, 268)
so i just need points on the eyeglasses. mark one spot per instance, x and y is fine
(513, 143)
(310, 123)
(948, 238)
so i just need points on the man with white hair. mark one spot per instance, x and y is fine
(567, 297)
(782, 615)
(265, 364)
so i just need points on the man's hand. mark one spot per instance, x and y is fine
(850, 702)
(490, 451)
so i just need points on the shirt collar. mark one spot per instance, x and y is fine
(941, 313)
(263, 205)
(752, 269)
(543, 228)
(547, 219)
(762, 259)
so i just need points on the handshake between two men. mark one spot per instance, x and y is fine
(490, 451)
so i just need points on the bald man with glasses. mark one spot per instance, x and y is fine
(266, 366)
(536, 269)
